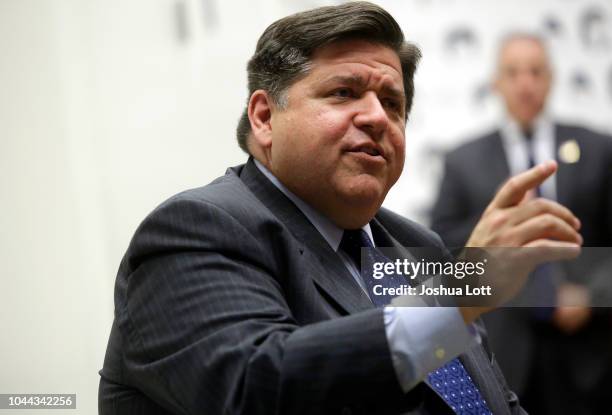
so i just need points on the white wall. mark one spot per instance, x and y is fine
(106, 110)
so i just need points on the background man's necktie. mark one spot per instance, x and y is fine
(542, 277)
(529, 145)
(451, 381)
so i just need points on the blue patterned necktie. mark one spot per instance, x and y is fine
(451, 381)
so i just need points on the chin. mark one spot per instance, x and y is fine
(360, 199)
(365, 191)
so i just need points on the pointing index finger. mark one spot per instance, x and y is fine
(513, 191)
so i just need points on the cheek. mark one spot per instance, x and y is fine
(400, 152)
(331, 129)
(542, 93)
(509, 92)
(398, 141)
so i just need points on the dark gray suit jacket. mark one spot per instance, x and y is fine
(228, 301)
(472, 174)
(474, 171)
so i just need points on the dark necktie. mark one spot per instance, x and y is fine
(528, 134)
(451, 381)
(543, 283)
(352, 242)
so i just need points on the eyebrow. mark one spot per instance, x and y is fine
(358, 81)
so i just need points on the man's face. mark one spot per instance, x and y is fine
(523, 79)
(339, 143)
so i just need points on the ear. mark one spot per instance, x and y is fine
(260, 115)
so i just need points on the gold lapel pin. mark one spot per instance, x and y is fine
(569, 152)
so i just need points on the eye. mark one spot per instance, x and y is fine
(343, 93)
(391, 104)
(511, 73)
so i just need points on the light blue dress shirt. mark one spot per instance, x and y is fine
(543, 148)
(421, 339)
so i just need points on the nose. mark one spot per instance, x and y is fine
(526, 81)
(371, 115)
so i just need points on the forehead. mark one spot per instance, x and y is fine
(356, 56)
(523, 50)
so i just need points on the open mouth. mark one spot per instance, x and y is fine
(368, 150)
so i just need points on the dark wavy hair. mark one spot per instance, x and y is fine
(283, 51)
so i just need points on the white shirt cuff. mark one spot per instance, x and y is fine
(422, 339)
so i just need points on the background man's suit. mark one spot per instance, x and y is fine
(227, 302)
(472, 174)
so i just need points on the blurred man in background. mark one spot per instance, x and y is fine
(557, 358)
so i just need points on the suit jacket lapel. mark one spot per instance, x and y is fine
(566, 173)
(320, 261)
(495, 162)
(393, 249)
(478, 365)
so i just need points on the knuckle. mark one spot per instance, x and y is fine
(541, 204)
(551, 223)
(511, 238)
(512, 184)
(548, 222)
(499, 219)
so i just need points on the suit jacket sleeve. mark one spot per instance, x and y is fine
(202, 312)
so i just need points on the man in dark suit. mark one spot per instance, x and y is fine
(244, 296)
(559, 362)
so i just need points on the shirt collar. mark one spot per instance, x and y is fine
(513, 132)
(329, 230)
